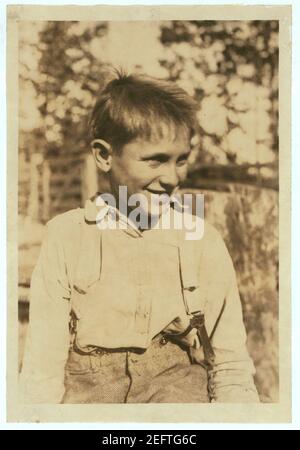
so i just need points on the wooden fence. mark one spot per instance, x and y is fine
(52, 186)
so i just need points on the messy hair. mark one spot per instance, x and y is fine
(139, 106)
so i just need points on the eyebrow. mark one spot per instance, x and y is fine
(185, 154)
(164, 156)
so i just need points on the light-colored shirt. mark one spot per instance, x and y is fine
(144, 268)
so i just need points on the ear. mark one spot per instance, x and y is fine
(102, 153)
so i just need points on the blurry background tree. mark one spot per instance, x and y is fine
(69, 77)
(231, 68)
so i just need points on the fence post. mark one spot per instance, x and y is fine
(46, 191)
(33, 202)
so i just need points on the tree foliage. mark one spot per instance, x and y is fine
(70, 77)
(231, 68)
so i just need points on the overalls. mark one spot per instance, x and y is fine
(127, 290)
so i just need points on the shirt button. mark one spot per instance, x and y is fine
(190, 288)
(133, 360)
(163, 341)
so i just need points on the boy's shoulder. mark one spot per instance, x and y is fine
(212, 234)
(215, 254)
(205, 240)
(67, 222)
(211, 246)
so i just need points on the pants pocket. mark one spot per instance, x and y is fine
(78, 364)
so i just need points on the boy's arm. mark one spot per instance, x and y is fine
(232, 377)
(47, 343)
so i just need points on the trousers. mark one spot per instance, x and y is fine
(162, 373)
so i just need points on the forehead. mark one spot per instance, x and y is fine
(167, 131)
(171, 141)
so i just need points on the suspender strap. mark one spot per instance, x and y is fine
(189, 270)
(193, 300)
(198, 322)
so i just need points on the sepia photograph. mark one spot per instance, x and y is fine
(148, 194)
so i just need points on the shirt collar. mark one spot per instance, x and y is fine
(96, 209)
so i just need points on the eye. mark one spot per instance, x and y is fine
(156, 160)
(182, 160)
(154, 163)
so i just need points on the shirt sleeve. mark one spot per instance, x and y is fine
(231, 380)
(47, 342)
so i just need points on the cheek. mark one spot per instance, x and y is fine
(182, 172)
(124, 172)
(136, 177)
(142, 174)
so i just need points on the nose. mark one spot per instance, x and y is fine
(169, 179)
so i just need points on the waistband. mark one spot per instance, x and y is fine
(92, 361)
(160, 340)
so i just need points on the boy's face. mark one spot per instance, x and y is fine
(151, 168)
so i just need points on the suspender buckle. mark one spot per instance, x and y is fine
(198, 322)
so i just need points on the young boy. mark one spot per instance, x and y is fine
(123, 307)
